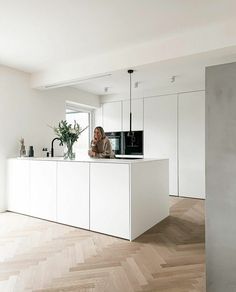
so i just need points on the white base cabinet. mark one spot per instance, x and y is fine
(73, 194)
(43, 185)
(122, 199)
(128, 199)
(109, 199)
(18, 186)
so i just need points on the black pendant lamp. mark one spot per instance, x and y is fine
(130, 71)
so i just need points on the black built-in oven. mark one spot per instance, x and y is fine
(116, 141)
(126, 143)
(133, 142)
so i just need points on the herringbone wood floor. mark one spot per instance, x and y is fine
(36, 255)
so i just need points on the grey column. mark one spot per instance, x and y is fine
(221, 178)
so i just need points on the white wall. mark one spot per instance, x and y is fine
(25, 112)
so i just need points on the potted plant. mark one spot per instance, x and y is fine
(68, 134)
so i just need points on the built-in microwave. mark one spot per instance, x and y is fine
(116, 141)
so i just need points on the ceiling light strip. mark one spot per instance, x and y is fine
(75, 81)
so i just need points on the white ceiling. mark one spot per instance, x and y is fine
(156, 78)
(36, 35)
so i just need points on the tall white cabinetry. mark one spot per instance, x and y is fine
(43, 188)
(115, 115)
(174, 128)
(98, 117)
(112, 116)
(137, 114)
(73, 194)
(192, 144)
(160, 134)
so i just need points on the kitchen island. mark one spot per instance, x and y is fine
(118, 197)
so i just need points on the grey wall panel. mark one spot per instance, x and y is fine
(221, 178)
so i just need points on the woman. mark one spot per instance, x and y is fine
(100, 145)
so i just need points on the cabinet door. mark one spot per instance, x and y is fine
(192, 144)
(18, 196)
(109, 199)
(43, 189)
(98, 117)
(160, 133)
(112, 118)
(73, 194)
(137, 115)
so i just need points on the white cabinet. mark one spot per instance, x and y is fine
(98, 117)
(112, 116)
(192, 144)
(18, 195)
(109, 199)
(43, 189)
(160, 134)
(137, 115)
(73, 194)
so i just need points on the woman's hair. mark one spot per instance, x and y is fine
(101, 131)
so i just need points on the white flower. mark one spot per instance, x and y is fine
(72, 131)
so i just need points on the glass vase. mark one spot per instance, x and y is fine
(69, 154)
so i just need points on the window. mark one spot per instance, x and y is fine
(83, 117)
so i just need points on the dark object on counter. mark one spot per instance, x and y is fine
(22, 148)
(31, 151)
(44, 152)
(52, 149)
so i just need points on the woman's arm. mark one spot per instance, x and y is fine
(93, 148)
(107, 151)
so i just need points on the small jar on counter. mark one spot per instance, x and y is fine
(31, 151)
(44, 152)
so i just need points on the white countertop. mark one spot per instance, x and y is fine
(88, 159)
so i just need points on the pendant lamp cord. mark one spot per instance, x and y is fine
(130, 71)
(130, 108)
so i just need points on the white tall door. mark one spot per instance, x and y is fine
(160, 133)
(192, 144)
(18, 195)
(109, 199)
(137, 115)
(73, 194)
(112, 116)
(98, 117)
(43, 189)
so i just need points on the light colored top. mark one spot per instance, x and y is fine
(103, 148)
(91, 160)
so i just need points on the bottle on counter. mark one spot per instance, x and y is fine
(31, 151)
(22, 148)
(44, 152)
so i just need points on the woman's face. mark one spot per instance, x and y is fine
(97, 134)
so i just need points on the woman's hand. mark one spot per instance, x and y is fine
(91, 153)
